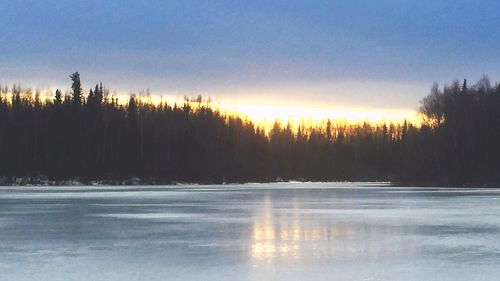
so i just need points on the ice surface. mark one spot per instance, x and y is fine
(287, 231)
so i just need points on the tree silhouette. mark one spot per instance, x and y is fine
(95, 137)
(76, 87)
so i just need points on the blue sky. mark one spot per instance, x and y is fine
(340, 53)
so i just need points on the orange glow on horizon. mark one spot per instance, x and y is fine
(267, 114)
(264, 113)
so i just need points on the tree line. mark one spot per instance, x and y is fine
(93, 136)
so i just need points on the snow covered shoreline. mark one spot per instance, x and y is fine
(44, 181)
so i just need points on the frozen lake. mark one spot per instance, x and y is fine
(295, 231)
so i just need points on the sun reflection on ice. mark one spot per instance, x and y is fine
(284, 239)
(300, 232)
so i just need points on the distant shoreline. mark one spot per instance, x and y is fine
(92, 139)
(135, 181)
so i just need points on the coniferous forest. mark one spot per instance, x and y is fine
(92, 136)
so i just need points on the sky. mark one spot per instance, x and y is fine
(349, 54)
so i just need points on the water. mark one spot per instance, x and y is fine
(290, 231)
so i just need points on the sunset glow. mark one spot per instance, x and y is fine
(310, 115)
(265, 114)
